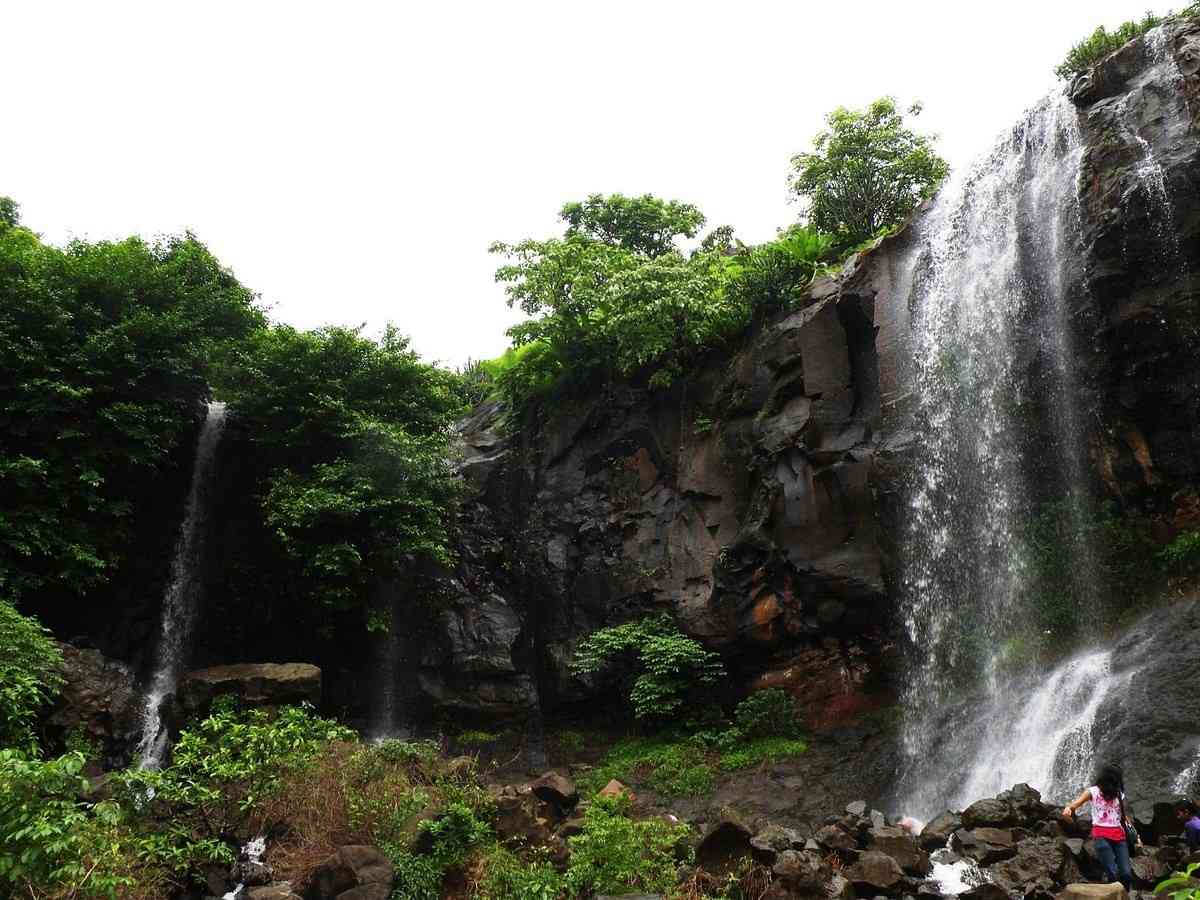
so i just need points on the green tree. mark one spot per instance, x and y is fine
(352, 437)
(645, 225)
(106, 352)
(30, 676)
(867, 171)
(10, 213)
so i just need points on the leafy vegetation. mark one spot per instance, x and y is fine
(619, 855)
(1181, 885)
(106, 350)
(1102, 42)
(352, 438)
(1182, 555)
(663, 666)
(57, 843)
(616, 296)
(866, 172)
(30, 676)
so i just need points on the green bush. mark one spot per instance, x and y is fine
(618, 855)
(227, 764)
(668, 666)
(768, 713)
(1182, 555)
(509, 877)
(1102, 42)
(760, 750)
(452, 837)
(47, 835)
(30, 675)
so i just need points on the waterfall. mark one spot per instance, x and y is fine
(181, 602)
(386, 718)
(996, 405)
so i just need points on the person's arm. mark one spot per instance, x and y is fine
(1069, 809)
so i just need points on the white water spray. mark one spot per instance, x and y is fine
(181, 602)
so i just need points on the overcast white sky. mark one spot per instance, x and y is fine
(352, 161)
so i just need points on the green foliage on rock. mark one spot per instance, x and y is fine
(768, 713)
(353, 438)
(1182, 555)
(30, 676)
(106, 351)
(867, 171)
(663, 665)
(1102, 42)
(616, 297)
(619, 855)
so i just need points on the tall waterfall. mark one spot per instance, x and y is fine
(181, 602)
(996, 407)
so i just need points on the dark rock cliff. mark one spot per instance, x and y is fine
(757, 498)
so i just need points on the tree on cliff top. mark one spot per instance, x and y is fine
(867, 171)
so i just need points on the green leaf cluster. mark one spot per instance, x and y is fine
(1182, 555)
(867, 171)
(1102, 42)
(1183, 885)
(352, 434)
(665, 666)
(618, 855)
(106, 350)
(615, 296)
(30, 676)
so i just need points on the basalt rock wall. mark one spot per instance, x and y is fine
(756, 500)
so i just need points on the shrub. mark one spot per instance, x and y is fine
(617, 855)
(506, 876)
(1102, 42)
(1182, 555)
(768, 713)
(670, 666)
(764, 749)
(30, 675)
(452, 836)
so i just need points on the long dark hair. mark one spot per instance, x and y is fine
(1111, 781)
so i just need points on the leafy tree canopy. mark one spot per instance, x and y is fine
(645, 225)
(867, 171)
(354, 435)
(105, 349)
(613, 296)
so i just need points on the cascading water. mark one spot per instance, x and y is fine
(386, 704)
(181, 602)
(994, 377)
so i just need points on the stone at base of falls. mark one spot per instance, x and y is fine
(875, 872)
(557, 789)
(900, 846)
(725, 842)
(99, 698)
(1093, 892)
(272, 892)
(355, 872)
(802, 871)
(992, 813)
(937, 830)
(255, 684)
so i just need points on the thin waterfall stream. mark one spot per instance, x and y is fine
(995, 377)
(181, 601)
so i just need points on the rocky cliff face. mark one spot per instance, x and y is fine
(756, 499)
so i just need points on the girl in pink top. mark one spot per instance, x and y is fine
(1108, 823)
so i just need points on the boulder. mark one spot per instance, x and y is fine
(900, 846)
(615, 789)
(100, 700)
(857, 808)
(985, 846)
(280, 891)
(1039, 864)
(1093, 892)
(804, 872)
(875, 872)
(518, 817)
(833, 837)
(989, 813)
(255, 684)
(354, 872)
(726, 841)
(936, 833)
(985, 891)
(775, 839)
(1149, 868)
(557, 790)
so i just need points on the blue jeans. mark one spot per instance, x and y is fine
(1114, 856)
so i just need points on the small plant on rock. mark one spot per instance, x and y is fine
(669, 666)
